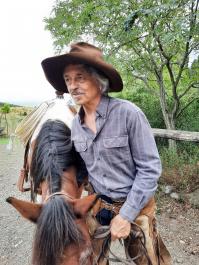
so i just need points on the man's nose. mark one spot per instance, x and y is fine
(73, 84)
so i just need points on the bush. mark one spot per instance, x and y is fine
(181, 168)
(148, 103)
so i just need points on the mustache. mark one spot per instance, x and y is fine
(77, 92)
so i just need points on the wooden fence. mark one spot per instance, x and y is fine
(176, 135)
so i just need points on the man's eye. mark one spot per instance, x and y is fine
(80, 78)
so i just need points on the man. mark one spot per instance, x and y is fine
(115, 140)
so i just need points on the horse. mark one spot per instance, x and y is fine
(57, 172)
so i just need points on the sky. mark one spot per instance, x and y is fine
(24, 44)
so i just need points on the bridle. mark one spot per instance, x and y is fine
(59, 193)
(89, 252)
(103, 232)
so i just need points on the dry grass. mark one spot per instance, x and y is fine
(14, 117)
(183, 177)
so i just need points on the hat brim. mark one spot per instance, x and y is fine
(54, 67)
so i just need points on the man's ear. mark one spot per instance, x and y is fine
(28, 210)
(83, 205)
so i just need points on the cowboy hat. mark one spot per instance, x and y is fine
(80, 53)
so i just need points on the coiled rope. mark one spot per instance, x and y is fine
(103, 232)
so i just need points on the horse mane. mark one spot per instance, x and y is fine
(54, 153)
(56, 229)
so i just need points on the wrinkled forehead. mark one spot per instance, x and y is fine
(76, 69)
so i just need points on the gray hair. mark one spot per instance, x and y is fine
(103, 80)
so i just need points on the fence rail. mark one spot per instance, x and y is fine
(176, 135)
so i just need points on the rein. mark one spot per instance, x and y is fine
(103, 232)
(59, 193)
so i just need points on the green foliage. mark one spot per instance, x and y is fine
(148, 103)
(189, 121)
(5, 109)
(4, 140)
(186, 154)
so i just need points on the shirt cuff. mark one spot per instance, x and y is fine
(128, 212)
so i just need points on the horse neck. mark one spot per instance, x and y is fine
(75, 255)
(68, 185)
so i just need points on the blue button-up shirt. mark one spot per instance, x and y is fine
(121, 158)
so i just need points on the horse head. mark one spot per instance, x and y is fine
(62, 235)
(57, 171)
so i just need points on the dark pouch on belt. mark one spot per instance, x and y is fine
(104, 216)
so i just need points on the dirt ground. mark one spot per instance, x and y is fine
(178, 224)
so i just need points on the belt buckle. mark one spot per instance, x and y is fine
(109, 206)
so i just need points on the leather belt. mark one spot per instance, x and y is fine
(113, 207)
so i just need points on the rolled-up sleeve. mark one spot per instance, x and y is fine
(147, 163)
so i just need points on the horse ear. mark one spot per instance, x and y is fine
(28, 210)
(83, 205)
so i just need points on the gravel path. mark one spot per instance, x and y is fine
(16, 232)
(179, 225)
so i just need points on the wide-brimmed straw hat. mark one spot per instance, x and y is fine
(80, 53)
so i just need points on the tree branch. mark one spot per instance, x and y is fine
(196, 9)
(138, 52)
(188, 88)
(155, 66)
(144, 79)
(187, 51)
(170, 71)
(186, 106)
(116, 49)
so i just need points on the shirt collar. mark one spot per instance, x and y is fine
(81, 115)
(101, 110)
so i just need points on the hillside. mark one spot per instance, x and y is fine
(11, 105)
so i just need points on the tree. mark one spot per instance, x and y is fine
(153, 39)
(5, 109)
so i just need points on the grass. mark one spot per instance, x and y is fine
(13, 119)
(4, 140)
(181, 168)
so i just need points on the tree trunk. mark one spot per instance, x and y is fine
(1, 118)
(6, 124)
(172, 145)
(170, 125)
(168, 117)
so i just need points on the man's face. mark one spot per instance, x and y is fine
(83, 87)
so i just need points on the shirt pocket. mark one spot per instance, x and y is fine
(84, 151)
(116, 149)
